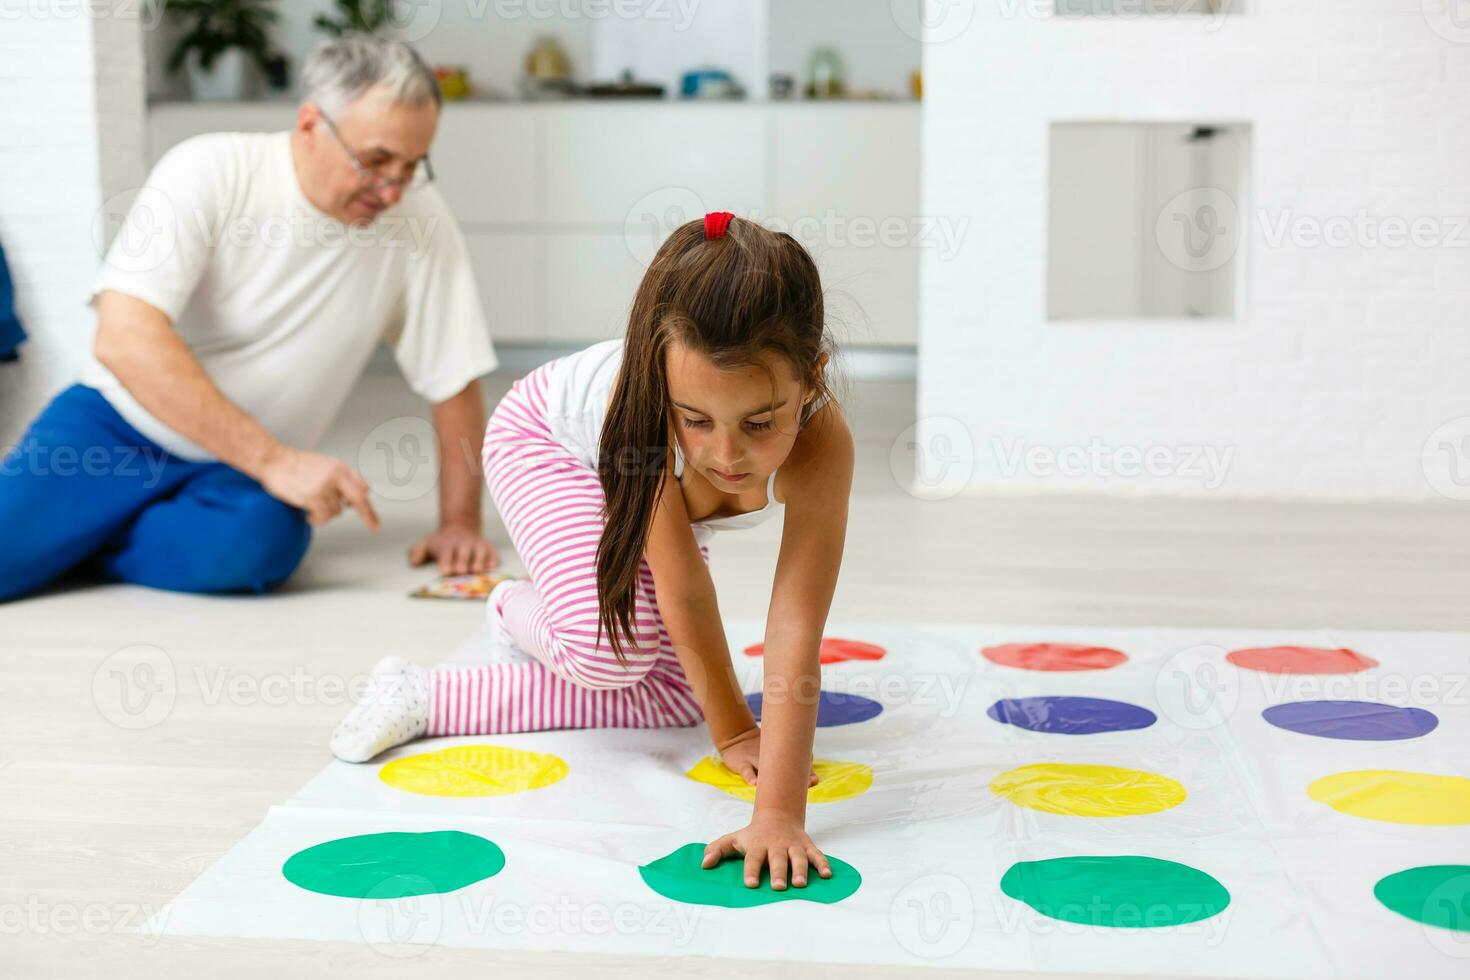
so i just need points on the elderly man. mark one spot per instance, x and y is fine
(244, 295)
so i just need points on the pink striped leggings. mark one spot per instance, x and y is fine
(552, 506)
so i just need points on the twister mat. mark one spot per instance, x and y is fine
(1221, 803)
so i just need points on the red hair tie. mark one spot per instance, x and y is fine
(716, 223)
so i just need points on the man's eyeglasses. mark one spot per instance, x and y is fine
(416, 176)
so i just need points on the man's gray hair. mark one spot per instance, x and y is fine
(341, 71)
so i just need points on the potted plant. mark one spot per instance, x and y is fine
(225, 46)
(367, 16)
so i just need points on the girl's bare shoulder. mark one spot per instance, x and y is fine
(822, 457)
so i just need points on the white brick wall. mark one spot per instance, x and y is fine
(72, 90)
(1341, 360)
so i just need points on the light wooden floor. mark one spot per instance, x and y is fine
(99, 824)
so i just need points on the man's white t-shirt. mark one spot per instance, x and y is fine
(281, 304)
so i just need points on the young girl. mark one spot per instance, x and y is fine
(612, 467)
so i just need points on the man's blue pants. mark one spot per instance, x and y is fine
(84, 491)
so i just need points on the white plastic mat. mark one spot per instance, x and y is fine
(930, 838)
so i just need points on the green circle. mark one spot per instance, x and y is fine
(394, 865)
(1436, 895)
(678, 875)
(1128, 892)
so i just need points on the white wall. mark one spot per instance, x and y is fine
(1341, 361)
(72, 87)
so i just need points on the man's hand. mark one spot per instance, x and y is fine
(459, 551)
(773, 838)
(743, 759)
(318, 484)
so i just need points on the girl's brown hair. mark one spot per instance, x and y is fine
(731, 299)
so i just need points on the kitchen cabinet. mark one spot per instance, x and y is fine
(562, 204)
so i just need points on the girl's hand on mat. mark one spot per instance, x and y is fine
(318, 484)
(458, 550)
(743, 759)
(773, 838)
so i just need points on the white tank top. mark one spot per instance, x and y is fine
(576, 404)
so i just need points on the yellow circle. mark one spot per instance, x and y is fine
(835, 780)
(473, 770)
(1396, 797)
(1076, 790)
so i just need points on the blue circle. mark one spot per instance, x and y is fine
(1358, 721)
(833, 709)
(1064, 715)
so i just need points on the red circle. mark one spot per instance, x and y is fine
(1054, 656)
(833, 650)
(1301, 660)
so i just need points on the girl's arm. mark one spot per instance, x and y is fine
(687, 604)
(818, 484)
